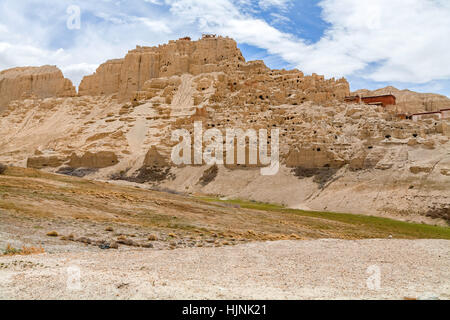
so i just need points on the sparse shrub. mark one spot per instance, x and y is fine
(84, 240)
(114, 245)
(11, 251)
(104, 245)
(70, 237)
(109, 229)
(152, 237)
(128, 242)
(52, 234)
(32, 250)
(2, 168)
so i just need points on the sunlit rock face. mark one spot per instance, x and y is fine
(28, 82)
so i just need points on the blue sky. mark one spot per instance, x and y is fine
(373, 43)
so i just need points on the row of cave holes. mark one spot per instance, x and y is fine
(415, 135)
(261, 97)
(388, 136)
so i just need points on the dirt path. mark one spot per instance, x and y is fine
(315, 269)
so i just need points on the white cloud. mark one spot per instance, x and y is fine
(34, 35)
(157, 2)
(376, 40)
(155, 25)
(76, 72)
(406, 39)
(267, 4)
(279, 19)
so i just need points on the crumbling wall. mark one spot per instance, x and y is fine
(101, 159)
(40, 162)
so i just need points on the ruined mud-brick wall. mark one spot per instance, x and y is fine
(38, 82)
(318, 137)
(325, 133)
(245, 95)
(253, 83)
(127, 76)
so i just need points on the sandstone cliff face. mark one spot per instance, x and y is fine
(105, 81)
(128, 75)
(40, 82)
(410, 101)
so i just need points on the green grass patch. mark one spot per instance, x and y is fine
(245, 204)
(378, 226)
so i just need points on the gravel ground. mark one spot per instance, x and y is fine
(316, 269)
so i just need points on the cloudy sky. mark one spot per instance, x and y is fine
(373, 43)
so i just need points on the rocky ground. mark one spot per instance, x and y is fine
(316, 269)
(126, 242)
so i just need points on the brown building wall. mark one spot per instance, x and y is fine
(385, 100)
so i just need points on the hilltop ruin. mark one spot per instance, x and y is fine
(335, 154)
